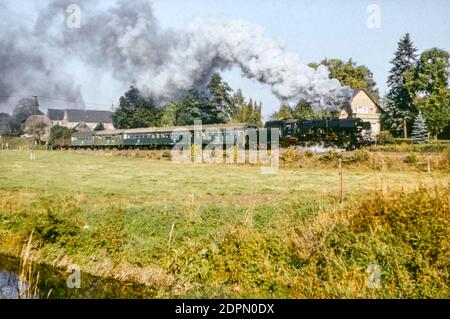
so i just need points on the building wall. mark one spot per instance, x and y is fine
(364, 108)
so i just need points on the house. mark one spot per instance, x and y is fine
(82, 120)
(363, 106)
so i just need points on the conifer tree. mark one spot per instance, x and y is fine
(399, 100)
(420, 131)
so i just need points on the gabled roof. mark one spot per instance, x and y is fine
(55, 115)
(89, 116)
(82, 127)
(356, 91)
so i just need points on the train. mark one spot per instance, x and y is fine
(328, 132)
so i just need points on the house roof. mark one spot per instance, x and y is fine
(89, 116)
(55, 115)
(356, 91)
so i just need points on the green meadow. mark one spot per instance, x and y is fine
(211, 230)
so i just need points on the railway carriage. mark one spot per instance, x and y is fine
(108, 139)
(82, 140)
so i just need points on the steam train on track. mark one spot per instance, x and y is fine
(328, 132)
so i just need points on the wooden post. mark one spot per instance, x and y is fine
(341, 182)
(170, 235)
(405, 131)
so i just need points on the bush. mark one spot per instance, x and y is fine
(309, 154)
(290, 155)
(411, 159)
(331, 156)
(385, 137)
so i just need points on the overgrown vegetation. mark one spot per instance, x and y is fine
(238, 233)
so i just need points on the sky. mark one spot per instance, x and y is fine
(313, 29)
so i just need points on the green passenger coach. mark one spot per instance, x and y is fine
(82, 140)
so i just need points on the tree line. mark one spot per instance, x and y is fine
(418, 86)
(218, 104)
(418, 92)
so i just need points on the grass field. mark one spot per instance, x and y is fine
(236, 232)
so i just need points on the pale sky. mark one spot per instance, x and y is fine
(312, 29)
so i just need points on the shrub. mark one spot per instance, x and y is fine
(411, 159)
(309, 154)
(290, 155)
(385, 137)
(330, 156)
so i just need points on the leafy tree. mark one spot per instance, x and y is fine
(222, 107)
(23, 110)
(99, 127)
(6, 123)
(430, 83)
(436, 111)
(58, 132)
(284, 113)
(38, 129)
(350, 74)
(420, 131)
(195, 106)
(399, 100)
(303, 110)
(136, 111)
(169, 117)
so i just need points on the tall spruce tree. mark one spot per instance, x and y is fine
(420, 131)
(400, 110)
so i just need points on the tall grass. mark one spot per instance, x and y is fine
(28, 275)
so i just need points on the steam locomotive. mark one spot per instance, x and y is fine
(327, 132)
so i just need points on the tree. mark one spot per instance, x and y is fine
(257, 115)
(99, 127)
(136, 111)
(23, 110)
(59, 132)
(303, 111)
(430, 83)
(350, 74)
(239, 107)
(169, 117)
(250, 112)
(222, 107)
(419, 133)
(284, 113)
(399, 110)
(6, 123)
(194, 106)
(37, 129)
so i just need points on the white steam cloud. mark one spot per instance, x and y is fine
(125, 40)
